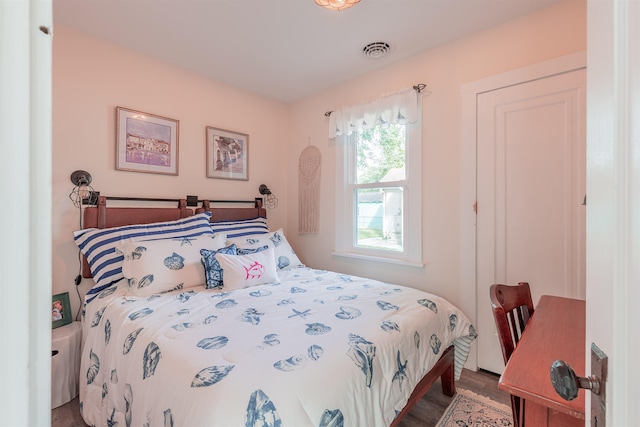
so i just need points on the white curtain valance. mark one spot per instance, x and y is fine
(397, 108)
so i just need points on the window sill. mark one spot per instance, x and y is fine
(378, 259)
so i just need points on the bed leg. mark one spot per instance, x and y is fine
(448, 381)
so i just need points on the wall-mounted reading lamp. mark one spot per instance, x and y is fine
(83, 192)
(271, 201)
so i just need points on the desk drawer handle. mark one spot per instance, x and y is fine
(566, 382)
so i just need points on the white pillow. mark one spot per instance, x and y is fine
(156, 266)
(243, 271)
(98, 245)
(242, 227)
(284, 254)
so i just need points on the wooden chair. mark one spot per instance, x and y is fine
(512, 307)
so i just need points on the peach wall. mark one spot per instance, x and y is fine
(92, 77)
(549, 33)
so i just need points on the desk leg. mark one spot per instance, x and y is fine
(536, 415)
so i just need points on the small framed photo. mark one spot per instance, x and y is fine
(146, 142)
(60, 310)
(227, 154)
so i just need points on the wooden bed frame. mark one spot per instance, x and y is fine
(444, 368)
(101, 216)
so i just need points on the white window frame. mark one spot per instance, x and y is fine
(345, 214)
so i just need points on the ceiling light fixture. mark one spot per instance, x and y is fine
(336, 4)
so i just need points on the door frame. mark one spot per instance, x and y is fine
(469, 298)
(613, 180)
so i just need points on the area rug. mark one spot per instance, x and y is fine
(468, 409)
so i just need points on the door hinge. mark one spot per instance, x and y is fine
(475, 208)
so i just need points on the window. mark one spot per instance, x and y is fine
(378, 193)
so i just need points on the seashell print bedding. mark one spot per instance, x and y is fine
(317, 349)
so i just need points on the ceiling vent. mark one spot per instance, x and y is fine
(376, 50)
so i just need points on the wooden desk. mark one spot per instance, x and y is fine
(555, 331)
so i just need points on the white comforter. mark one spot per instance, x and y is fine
(317, 349)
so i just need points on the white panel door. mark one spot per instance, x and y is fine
(530, 194)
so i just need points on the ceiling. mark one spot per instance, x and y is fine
(283, 49)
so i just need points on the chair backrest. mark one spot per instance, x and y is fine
(512, 307)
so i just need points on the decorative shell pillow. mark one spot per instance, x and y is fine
(285, 257)
(212, 269)
(243, 271)
(156, 266)
(98, 245)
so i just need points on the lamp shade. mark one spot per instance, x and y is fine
(336, 4)
(271, 201)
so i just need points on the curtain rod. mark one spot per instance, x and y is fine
(418, 88)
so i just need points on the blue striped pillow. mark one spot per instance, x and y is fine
(239, 228)
(99, 245)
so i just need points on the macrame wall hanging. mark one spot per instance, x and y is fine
(309, 190)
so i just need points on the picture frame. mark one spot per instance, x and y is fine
(146, 142)
(227, 154)
(60, 310)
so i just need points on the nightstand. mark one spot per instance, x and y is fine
(65, 363)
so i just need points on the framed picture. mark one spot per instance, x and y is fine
(227, 154)
(146, 142)
(60, 310)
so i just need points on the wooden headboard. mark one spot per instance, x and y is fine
(102, 216)
(231, 214)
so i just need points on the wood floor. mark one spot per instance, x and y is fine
(426, 413)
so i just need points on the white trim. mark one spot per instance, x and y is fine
(613, 206)
(540, 70)
(378, 259)
(412, 217)
(470, 92)
(25, 233)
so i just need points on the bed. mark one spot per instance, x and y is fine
(259, 340)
